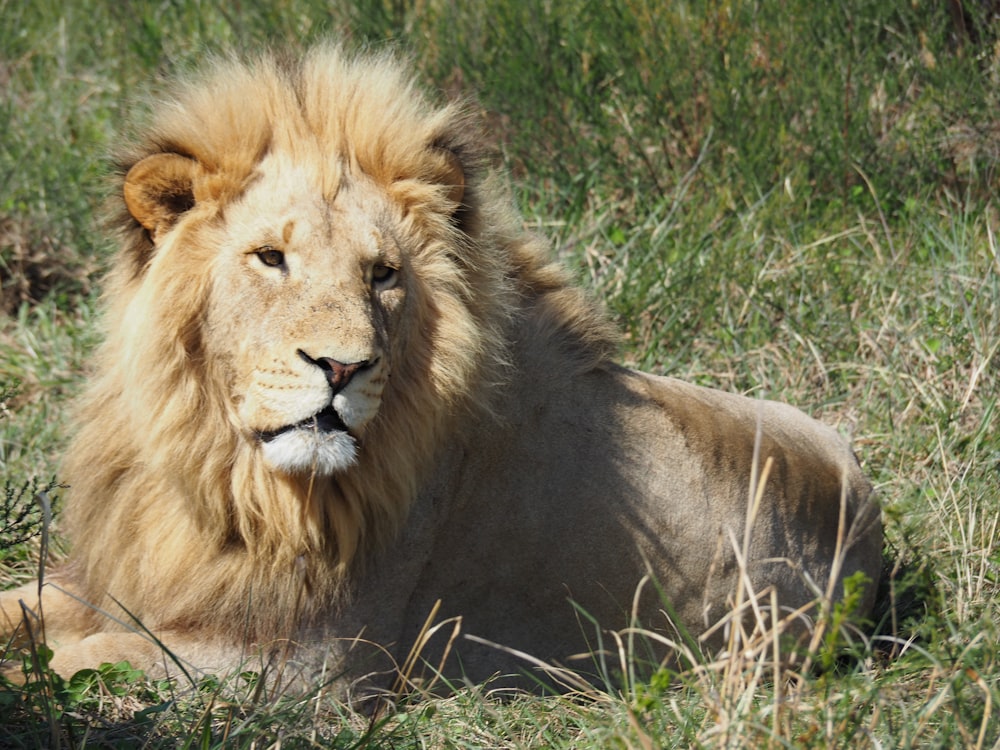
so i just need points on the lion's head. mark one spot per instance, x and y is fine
(307, 306)
(315, 281)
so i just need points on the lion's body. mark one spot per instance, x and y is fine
(340, 383)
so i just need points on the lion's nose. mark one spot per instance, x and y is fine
(338, 374)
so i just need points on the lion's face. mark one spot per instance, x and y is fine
(308, 285)
(307, 294)
(303, 269)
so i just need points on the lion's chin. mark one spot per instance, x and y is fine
(308, 451)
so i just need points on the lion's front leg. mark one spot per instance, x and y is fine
(74, 631)
(58, 615)
(53, 616)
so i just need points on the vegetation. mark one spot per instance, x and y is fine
(789, 199)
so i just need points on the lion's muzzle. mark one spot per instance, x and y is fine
(323, 442)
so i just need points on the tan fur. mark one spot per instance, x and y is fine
(497, 461)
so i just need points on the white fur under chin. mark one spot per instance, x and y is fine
(307, 451)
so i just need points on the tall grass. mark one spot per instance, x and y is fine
(792, 199)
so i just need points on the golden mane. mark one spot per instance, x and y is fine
(162, 481)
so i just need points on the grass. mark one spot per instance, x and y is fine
(785, 199)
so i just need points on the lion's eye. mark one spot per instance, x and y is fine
(270, 257)
(383, 277)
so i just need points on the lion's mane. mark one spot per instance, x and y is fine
(169, 511)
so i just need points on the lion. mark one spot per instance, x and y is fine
(342, 390)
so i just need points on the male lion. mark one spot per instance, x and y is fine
(341, 382)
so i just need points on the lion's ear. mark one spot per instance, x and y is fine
(158, 189)
(453, 175)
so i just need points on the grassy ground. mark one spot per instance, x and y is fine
(792, 199)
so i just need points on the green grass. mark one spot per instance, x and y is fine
(791, 199)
